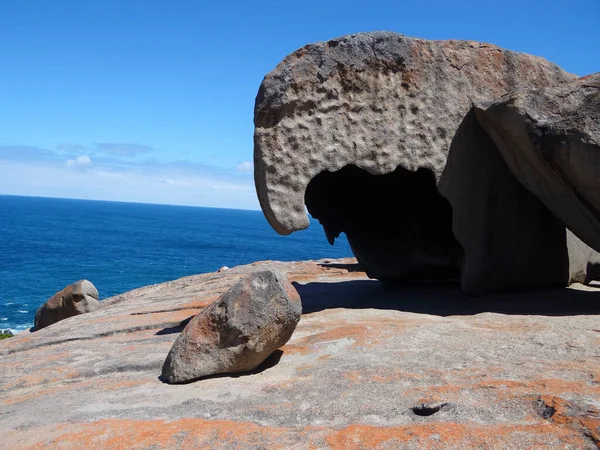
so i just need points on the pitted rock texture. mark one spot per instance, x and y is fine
(511, 371)
(238, 331)
(550, 139)
(375, 100)
(78, 298)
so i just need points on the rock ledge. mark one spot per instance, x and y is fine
(367, 367)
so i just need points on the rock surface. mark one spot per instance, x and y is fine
(363, 368)
(550, 139)
(78, 298)
(375, 100)
(238, 331)
(361, 130)
(509, 238)
(584, 262)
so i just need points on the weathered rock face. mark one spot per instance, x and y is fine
(238, 331)
(334, 116)
(550, 139)
(375, 100)
(516, 371)
(78, 298)
(510, 239)
(584, 262)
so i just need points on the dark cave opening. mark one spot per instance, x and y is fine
(398, 225)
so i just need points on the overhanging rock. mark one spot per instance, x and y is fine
(381, 104)
(378, 101)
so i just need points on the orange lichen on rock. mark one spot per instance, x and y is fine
(507, 389)
(180, 434)
(352, 376)
(43, 377)
(100, 385)
(207, 434)
(584, 419)
(455, 436)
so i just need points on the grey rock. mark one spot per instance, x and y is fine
(78, 298)
(584, 262)
(510, 239)
(518, 370)
(375, 100)
(550, 139)
(238, 331)
(360, 129)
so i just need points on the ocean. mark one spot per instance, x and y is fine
(47, 244)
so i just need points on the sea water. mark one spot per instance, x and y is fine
(47, 244)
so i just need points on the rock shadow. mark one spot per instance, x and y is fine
(444, 299)
(510, 239)
(398, 225)
(271, 361)
(177, 328)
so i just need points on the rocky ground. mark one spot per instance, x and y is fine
(367, 367)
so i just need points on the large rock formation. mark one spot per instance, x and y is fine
(367, 367)
(78, 298)
(362, 129)
(238, 331)
(550, 139)
(375, 100)
(376, 135)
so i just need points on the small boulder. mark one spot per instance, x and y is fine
(78, 298)
(237, 332)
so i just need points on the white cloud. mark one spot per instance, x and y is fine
(71, 148)
(32, 171)
(245, 166)
(80, 161)
(107, 148)
(127, 150)
(144, 184)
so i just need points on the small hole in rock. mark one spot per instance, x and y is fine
(428, 409)
(546, 411)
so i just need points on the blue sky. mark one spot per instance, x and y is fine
(152, 101)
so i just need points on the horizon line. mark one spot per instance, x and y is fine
(128, 202)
